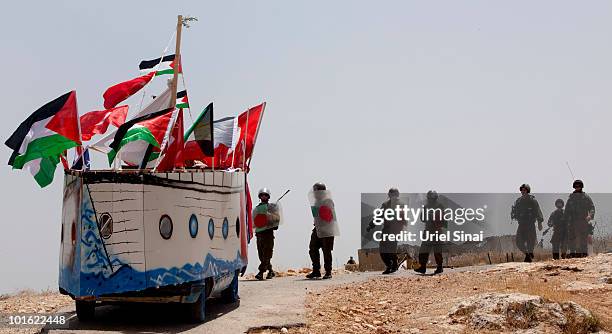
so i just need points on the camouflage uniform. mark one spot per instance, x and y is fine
(526, 211)
(434, 223)
(265, 232)
(265, 248)
(579, 206)
(322, 236)
(559, 236)
(388, 249)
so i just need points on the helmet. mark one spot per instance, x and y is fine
(393, 191)
(263, 191)
(526, 187)
(432, 194)
(578, 183)
(559, 203)
(319, 186)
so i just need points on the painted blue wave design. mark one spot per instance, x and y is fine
(127, 279)
(188, 273)
(93, 255)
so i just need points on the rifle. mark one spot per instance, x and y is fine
(286, 192)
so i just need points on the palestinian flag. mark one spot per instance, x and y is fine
(160, 66)
(144, 131)
(199, 137)
(39, 141)
(181, 100)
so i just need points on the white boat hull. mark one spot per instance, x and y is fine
(112, 240)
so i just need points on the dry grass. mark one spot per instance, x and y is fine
(477, 259)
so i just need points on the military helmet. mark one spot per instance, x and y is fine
(432, 194)
(526, 187)
(319, 186)
(393, 191)
(578, 183)
(263, 191)
(559, 203)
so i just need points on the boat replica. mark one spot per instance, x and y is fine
(152, 237)
(156, 231)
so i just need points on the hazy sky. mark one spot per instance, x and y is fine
(460, 96)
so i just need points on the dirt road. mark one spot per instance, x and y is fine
(274, 302)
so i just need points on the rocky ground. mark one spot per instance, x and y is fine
(30, 302)
(571, 296)
(566, 296)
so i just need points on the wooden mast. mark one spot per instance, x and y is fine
(177, 60)
(173, 84)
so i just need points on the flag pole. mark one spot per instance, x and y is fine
(257, 131)
(173, 88)
(246, 134)
(177, 60)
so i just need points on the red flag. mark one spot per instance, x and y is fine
(248, 123)
(64, 122)
(96, 122)
(173, 156)
(121, 91)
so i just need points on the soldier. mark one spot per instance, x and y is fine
(434, 224)
(559, 226)
(324, 231)
(526, 210)
(578, 212)
(388, 249)
(266, 218)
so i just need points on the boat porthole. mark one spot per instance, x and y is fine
(211, 228)
(105, 225)
(193, 226)
(238, 227)
(165, 227)
(225, 228)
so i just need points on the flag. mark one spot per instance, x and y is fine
(166, 65)
(199, 138)
(173, 155)
(234, 139)
(181, 99)
(83, 162)
(121, 91)
(225, 135)
(96, 122)
(147, 130)
(39, 141)
(248, 125)
(160, 102)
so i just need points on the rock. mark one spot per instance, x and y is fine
(370, 326)
(606, 279)
(581, 286)
(284, 330)
(512, 311)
